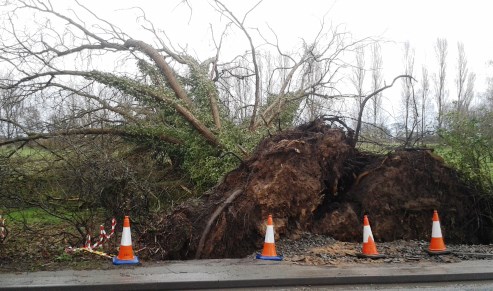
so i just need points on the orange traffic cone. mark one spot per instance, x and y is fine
(269, 251)
(437, 246)
(369, 248)
(126, 253)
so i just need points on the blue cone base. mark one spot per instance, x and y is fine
(134, 261)
(269, 258)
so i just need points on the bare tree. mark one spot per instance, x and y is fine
(461, 77)
(464, 81)
(425, 88)
(325, 51)
(313, 104)
(488, 94)
(358, 76)
(439, 78)
(241, 24)
(376, 78)
(235, 87)
(366, 99)
(408, 96)
(469, 92)
(10, 112)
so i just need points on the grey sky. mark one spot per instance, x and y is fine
(418, 21)
(395, 21)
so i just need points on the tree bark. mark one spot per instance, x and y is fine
(83, 131)
(163, 66)
(360, 114)
(176, 87)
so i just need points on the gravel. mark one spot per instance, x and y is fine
(313, 249)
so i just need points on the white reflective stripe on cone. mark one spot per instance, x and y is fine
(367, 233)
(126, 237)
(269, 235)
(436, 231)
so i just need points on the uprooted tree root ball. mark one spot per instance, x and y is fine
(312, 179)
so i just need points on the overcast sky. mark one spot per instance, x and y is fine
(419, 21)
(395, 21)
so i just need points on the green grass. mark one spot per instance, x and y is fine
(32, 216)
(36, 215)
(24, 152)
(36, 241)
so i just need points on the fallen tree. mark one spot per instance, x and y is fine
(312, 179)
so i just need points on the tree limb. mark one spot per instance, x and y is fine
(213, 217)
(84, 131)
(163, 66)
(240, 24)
(360, 114)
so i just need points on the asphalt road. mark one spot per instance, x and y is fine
(438, 286)
(256, 274)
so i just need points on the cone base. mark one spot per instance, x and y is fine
(365, 256)
(269, 258)
(134, 261)
(443, 252)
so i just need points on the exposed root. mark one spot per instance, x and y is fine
(213, 217)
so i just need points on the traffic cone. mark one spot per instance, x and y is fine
(369, 248)
(269, 251)
(437, 246)
(126, 253)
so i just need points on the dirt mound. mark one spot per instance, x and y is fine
(311, 178)
(399, 192)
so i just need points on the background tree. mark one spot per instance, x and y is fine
(439, 78)
(10, 112)
(358, 77)
(376, 78)
(469, 93)
(408, 97)
(461, 77)
(425, 89)
(488, 94)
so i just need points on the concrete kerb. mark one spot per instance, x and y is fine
(221, 274)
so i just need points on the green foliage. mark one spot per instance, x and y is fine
(148, 94)
(151, 72)
(207, 165)
(198, 159)
(201, 90)
(203, 164)
(288, 107)
(289, 111)
(64, 257)
(469, 142)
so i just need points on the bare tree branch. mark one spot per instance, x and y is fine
(84, 131)
(225, 11)
(363, 103)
